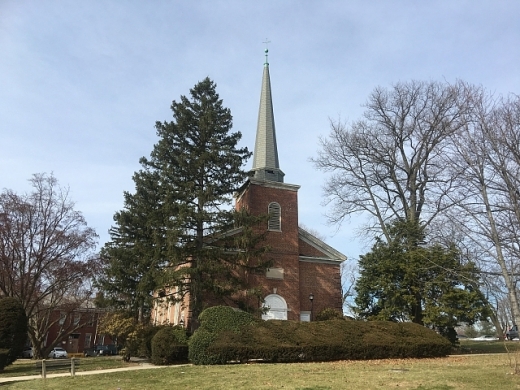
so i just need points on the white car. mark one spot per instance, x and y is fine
(485, 338)
(58, 352)
(27, 353)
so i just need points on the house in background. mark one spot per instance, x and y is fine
(305, 277)
(81, 325)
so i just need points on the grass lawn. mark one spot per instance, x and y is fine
(471, 347)
(492, 371)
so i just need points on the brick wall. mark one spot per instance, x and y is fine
(284, 251)
(324, 282)
(300, 277)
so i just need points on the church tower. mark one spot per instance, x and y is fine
(303, 266)
(266, 193)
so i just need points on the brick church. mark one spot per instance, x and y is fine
(305, 276)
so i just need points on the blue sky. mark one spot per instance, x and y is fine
(83, 82)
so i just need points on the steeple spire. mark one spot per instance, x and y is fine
(265, 156)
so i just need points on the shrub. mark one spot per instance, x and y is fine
(329, 314)
(143, 343)
(13, 330)
(289, 341)
(214, 321)
(4, 358)
(169, 345)
(218, 318)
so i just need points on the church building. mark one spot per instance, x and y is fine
(305, 276)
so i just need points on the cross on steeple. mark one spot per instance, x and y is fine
(267, 42)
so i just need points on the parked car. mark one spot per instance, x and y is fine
(28, 353)
(512, 333)
(101, 350)
(58, 352)
(485, 338)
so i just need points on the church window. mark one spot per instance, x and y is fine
(275, 215)
(276, 308)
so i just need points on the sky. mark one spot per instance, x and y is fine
(82, 83)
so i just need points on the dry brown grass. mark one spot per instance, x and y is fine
(491, 371)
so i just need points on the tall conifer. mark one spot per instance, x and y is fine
(182, 209)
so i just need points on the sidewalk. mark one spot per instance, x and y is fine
(141, 366)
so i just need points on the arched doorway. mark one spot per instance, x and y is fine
(277, 308)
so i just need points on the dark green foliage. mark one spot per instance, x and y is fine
(179, 229)
(214, 321)
(405, 281)
(133, 259)
(219, 318)
(4, 358)
(329, 314)
(229, 336)
(142, 345)
(13, 330)
(289, 341)
(450, 333)
(169, 345)
(199, 345)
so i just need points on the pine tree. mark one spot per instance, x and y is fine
(132, 259)
(179, 230)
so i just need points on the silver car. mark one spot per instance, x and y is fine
(58, 352)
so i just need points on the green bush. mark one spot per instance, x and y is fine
(4, 358)
(169, 345)
(329, 314)
(214, 321)
(13, 330)
(145, 335)
(289, 341)
(218, 318)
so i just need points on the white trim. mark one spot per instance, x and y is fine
(320, 260)
(274, 184)
(315, 242)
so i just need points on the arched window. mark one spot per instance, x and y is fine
(275, 217)
(277, 308)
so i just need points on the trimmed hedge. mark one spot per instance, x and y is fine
(169, 345)
(288, 341)
(329, 314)
(213, 322)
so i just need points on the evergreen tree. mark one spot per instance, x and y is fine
(178, 230)
(132, 259)
(403, 280)
(13, 330)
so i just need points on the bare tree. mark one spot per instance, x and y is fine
(488, 205)
(46, 258)
(349, 274)
(391, 164)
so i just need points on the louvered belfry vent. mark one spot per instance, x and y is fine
(275, 217)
